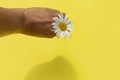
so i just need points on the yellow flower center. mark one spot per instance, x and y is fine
(63, 26)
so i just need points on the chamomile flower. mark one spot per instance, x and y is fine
(62, 26)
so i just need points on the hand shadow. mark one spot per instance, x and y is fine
(57, 69)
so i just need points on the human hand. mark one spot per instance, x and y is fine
(37, 22)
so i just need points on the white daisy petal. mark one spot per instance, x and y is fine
(56, 19)
(68, 34)
(55, 26)
(62, 34)
(60, 18)
(65, 19)
(65, 34)
(71, 30)
(68, 21)
(70, 25)
(54, 23)
(61, 15)
(56, 30)
(59, 34)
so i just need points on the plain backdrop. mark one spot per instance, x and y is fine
(93, 49)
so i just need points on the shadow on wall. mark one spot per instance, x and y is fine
(57, 69)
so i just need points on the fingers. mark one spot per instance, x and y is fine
(48, 30)
(40, 30)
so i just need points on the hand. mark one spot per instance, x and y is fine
(37, 22)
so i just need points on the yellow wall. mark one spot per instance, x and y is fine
(93, 50)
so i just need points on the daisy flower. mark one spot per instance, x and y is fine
(62, 26)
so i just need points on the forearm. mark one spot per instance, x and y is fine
(11, 20)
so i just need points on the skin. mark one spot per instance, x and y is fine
(29, 21)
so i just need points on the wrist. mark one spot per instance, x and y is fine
(18, 19)
(11, 20)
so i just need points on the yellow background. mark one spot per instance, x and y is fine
(93, 49)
